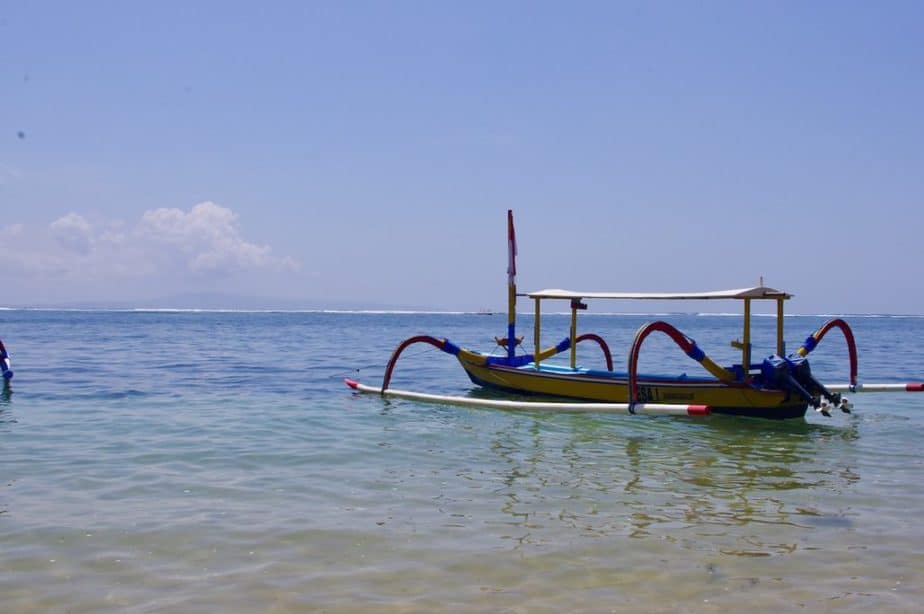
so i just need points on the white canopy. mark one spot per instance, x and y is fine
(759, 292)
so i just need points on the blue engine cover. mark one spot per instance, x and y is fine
(773, 365)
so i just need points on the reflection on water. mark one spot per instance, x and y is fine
(645, 478)
(5, 397)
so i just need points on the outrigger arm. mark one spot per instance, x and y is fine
(477, 358)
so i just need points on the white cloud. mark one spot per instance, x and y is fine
(208, 234)
(73, 233)
(203, 241)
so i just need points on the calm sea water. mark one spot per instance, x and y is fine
(215, 462)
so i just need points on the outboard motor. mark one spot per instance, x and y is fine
(794, 376)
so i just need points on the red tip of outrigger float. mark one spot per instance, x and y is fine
(914, 387)
(351, 383)
(698, 410)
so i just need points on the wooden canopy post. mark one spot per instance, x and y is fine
(536, 334)
(780, 344)
(746, 340)
(575, 305)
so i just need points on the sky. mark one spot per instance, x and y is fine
(365, 153)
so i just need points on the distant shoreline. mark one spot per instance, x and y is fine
(194, 310)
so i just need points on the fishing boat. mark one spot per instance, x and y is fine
(777, 387)
(6, 372)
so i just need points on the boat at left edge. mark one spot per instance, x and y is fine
(6, 367)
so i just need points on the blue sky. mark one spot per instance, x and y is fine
(360, 152)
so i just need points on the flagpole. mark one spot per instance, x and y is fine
(511, 285)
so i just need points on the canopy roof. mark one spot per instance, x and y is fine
(759, 292)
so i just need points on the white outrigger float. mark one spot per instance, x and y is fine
(777, 387)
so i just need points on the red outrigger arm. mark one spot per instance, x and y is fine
(516, 361)
(603, 346)
(437, 343)
(686, 344)
(812, 341)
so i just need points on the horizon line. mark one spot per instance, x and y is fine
(440, 312)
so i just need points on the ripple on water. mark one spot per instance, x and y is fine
(215, 462)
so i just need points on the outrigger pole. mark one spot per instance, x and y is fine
(655, 409)
(876, 387)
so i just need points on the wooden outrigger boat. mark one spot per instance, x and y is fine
(6, 372)
(777, 387)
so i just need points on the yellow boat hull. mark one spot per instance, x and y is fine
(552, 380)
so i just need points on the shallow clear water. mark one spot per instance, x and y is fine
(216, 462)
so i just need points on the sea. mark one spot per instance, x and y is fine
(214, 461)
